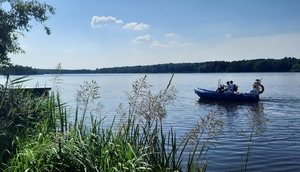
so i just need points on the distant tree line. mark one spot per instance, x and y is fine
(287, 64)
(65, 71)
(18, 70)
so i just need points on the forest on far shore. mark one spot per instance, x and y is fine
(287, 64)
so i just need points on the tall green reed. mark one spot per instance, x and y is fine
(19, 110)
(134, 141)
(257, 125)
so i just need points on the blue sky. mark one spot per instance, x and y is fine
(108, 33)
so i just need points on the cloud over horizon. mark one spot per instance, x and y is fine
(103, 21)
(170, 35)
(143, 39)
(136, 26)
(98, 22)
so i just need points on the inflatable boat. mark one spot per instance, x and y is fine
(213, 95)
(222, 94)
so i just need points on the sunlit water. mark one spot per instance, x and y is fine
(274, 120)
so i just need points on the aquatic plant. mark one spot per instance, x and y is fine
(134, 141)
(19, 109)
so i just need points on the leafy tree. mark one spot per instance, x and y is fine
(15, 17)
(295, 68)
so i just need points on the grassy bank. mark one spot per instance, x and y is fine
(41, 135)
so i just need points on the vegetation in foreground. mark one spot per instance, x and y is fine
(38, 134)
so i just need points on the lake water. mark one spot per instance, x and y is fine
(274, 120)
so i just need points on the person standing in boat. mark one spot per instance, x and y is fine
(258, 88)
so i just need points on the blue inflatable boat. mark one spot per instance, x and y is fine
(213, 95)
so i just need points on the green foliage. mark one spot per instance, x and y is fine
(287, 64)
(134, 141)
(15, 20)
(295, 68)
(19, 109)
(136, 144)
(18, 70)
(257, 65)
(17, 106)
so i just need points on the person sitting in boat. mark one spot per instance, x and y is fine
(221, 89)
(228, 84)
(235, 87)
(230, 87)
(225, 87)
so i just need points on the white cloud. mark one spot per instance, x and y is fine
(171, 35)
(171, 44)
(227, 36)
(175, 43)
(136, 26)
(141, 39)
(158, 44)
(103, 21)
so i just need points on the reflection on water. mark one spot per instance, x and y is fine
(245, 121)
(251, 114)
(271, 124)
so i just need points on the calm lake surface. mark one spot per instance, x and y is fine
(275, 119)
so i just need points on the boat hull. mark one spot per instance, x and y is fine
(213, 95)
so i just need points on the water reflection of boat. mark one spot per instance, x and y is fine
(233, 108)
(244, 112)
(227, 103)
